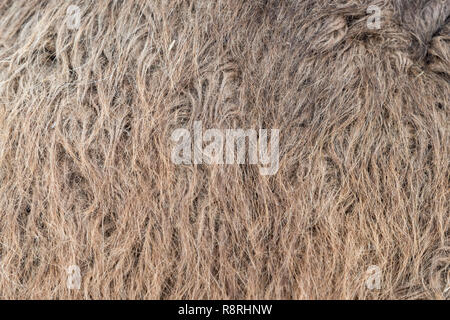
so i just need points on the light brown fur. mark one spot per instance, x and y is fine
(86, 177)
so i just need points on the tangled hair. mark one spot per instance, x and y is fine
(86, 177)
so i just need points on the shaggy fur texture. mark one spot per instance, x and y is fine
(86, 178)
